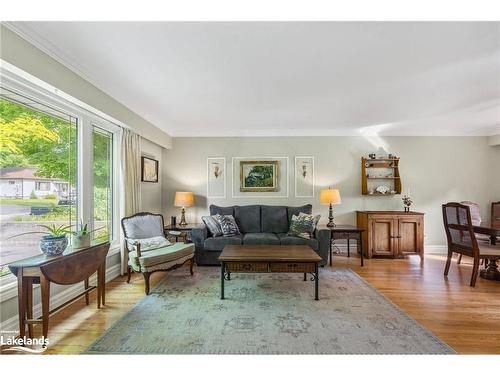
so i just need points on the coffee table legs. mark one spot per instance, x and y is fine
(316, 282)
(222, 277)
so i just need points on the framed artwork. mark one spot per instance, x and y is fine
(259, 175)
(216, 177)
(149, 169)
(304, 176)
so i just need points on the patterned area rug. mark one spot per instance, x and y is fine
(266, 314)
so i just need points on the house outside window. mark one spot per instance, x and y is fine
(42, 186)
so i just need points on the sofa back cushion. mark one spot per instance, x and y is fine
(248, 218)
(274, 219)
(214, 210)
(306, 209)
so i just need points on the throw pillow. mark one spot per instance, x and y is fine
(228, 225)
(147, 243)
(212, 225)
(302, 226)
(316, 218)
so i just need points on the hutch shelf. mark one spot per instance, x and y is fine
(377, 172)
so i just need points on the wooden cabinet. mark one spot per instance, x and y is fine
(392, 233)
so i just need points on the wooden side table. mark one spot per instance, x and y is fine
(346, 232)
(184, 229)
(71, 267)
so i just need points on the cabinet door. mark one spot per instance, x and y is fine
(410, 240)
(383, 234)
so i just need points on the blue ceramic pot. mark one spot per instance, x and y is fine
(53, 245)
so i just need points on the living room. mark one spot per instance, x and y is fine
(262, 188)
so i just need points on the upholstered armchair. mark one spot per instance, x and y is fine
(149, 251)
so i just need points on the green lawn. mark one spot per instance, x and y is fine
(30, 202)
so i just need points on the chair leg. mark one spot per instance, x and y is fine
(129, 273)
(459, 260)
(475, 272)
(146, 281)
(448, 262)
(191, 264)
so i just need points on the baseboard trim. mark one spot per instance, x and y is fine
(9, 327)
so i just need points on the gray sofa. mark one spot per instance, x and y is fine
(259, 225)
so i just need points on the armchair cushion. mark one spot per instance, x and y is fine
(144, 225)
(147, 244)
(165, 254)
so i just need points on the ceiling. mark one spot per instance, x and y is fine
(289, 78)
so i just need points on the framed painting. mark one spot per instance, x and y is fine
(259, 175)
(304, 176)
(216, 177)
(149, 169)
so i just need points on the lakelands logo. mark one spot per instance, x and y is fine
(24, 344)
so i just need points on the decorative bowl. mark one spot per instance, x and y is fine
(52, 246)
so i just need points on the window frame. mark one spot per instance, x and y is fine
(17, 80)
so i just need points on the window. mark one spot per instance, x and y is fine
(37, 142)
(103, 183)
(60, 156)
(42, 186)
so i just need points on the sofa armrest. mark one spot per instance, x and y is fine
(199, 235)
(324, 237)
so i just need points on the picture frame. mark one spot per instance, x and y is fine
(216, 177)
(259, 175)
(149, 169)
(304, 176)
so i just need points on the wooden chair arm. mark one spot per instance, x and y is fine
(138, 247)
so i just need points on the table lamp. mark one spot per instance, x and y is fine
(183, 199)
(330, 196)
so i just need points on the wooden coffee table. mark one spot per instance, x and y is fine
(269, 258)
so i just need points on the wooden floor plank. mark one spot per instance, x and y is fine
(466, 318)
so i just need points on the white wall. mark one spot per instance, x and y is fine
(17, 51)
(437, 169)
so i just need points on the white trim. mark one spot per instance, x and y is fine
(295, 177)
(11, 324)
(208, 177)
(261, 158)
(435, 249)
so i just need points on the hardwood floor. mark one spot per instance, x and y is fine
(466, 318)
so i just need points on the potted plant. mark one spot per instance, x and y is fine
(81, 237)
(55, 239)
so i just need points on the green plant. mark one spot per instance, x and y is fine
(50, 230)
(50, 196)
(83, 230)
(33, 195)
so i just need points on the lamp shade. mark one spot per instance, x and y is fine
(183, 199)
(329, 196)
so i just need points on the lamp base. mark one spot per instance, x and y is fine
(330, 224)
(183, 217)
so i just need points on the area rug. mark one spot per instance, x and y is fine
(266, 314)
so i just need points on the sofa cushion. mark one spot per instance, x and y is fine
(162, 255)
(260, 239)
(307, 209)
(218, 243)
(274, 219)
(248, 218)
(286, 239)
(214, 210)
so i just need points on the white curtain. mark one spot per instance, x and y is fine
(131, 167)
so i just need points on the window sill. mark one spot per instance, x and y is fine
(8, 284)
